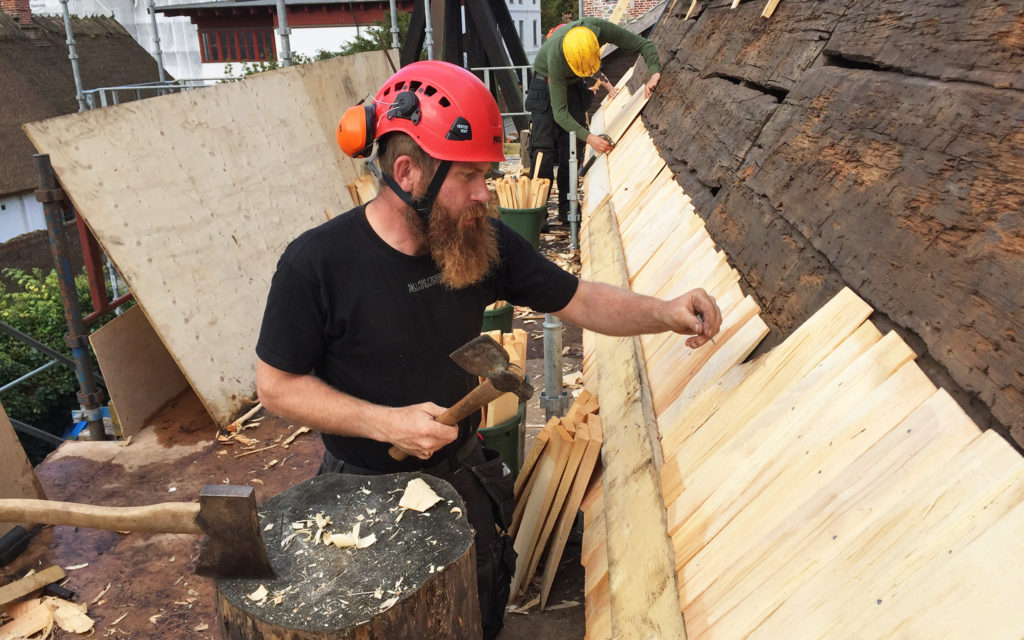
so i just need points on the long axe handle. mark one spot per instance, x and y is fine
(167, 517)
(472, 401)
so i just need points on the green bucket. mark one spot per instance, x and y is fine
(499, 318)
(527, 222)
(508, 438)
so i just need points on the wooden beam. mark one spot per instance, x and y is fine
(641, 565)
(28, 584)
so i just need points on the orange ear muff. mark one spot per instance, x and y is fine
(356, 130)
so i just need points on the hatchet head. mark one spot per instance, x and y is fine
(484, 357)
(233, 546)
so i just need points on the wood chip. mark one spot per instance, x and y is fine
(564, 604)
(100, 594)
(418, 496)
(153, 618)
(202, 626)
(298, 432)
(259, 595)
(70, 616)
(248, 453)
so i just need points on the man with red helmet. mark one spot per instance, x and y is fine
(364, 309)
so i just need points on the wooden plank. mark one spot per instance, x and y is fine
(591, 433)
(37, 618)
(775, 482)
(715, 488)
(195, 210)
(538, 500)
(536, 449)
(644, 594)
(141, 376)
(948, 510)
(772, 373)
(17, 477)
(580, 443)
(24, 586)
(928, 439)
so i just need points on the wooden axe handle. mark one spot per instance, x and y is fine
(168, 517)
(472, 401)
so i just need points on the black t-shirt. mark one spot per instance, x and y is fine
(379, 325)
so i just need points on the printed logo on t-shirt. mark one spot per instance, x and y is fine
(424, 283)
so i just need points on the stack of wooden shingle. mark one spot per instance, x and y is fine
(550, 489)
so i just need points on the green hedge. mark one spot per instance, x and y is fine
(34, 307)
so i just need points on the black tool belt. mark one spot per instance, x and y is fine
(450, 463)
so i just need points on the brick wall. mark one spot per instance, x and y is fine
(19, 9)
(604, 8)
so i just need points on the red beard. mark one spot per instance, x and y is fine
(464, 246)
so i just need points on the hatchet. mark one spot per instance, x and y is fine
(484, 357)
(233, 546)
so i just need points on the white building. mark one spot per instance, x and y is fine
(526, 18)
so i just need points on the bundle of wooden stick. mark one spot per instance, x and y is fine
(522, 192)
(549, 490)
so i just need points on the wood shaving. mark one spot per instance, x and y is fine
(259, 595)
(270, 464)
(457, 511)
(76, 566)
(248, 453)
(70, 616)
(418, 496)
(298, 432)
(387, 604)
(120, 618)
(202, 626)
(155, 617)
(565, 604)
(100, 594)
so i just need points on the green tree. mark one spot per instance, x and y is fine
(35, 307)
(551, 12)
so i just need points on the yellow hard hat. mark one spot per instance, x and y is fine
(581, 51)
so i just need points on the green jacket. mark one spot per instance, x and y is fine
(551, 63)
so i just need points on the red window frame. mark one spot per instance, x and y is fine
(237, 45)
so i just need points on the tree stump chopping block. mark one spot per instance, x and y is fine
(416, 579)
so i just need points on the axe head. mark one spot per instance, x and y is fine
(482, 356)
(233, 546)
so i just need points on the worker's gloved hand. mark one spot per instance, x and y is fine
(695, 313)
(599, 144)
(651, 83)
(414, 430)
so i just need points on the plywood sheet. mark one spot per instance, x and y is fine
(17, 479)
(194, 196)
(139, 373)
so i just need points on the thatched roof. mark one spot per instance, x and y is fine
(37, 82)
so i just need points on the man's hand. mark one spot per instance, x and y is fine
(651, 83)
(695, 313)
(414, 430)
(599, 144)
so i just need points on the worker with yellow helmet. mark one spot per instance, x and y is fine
(558, 98)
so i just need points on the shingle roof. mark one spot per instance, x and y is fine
(37, 82)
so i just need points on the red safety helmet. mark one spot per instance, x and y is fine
(447, 110)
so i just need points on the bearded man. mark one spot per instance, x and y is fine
(364, 309)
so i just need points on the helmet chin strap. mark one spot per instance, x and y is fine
(425, 203)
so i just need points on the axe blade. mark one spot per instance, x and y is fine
(482, 356)
(233, 546)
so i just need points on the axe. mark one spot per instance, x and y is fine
(484, 357)
(233, 546)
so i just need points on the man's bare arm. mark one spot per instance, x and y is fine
(309, 400)
(618, 312)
